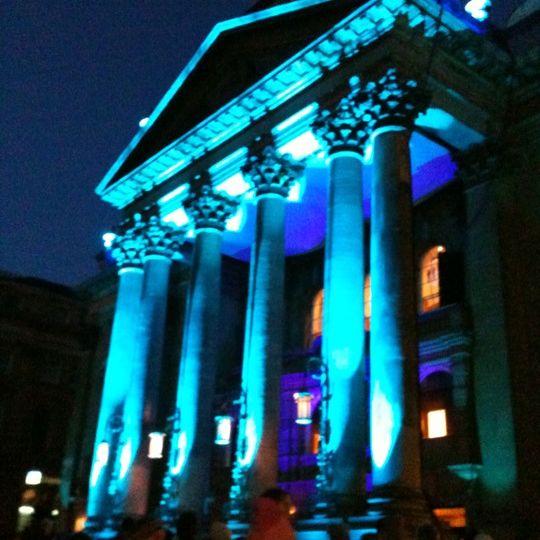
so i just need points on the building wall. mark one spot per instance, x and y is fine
(43, 344)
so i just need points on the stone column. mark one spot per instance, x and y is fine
(480, 171)
(344, 132)
(256, 464)
(187, 482)
(128, 251)
(395, 425)
(162, 241)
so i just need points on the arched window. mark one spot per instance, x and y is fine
(367, 303)
(316, 315)
(430, 290)
(317, 310)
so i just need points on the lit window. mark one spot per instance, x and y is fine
(452, 517)
(429, 279)
(316, 315)
(367, 303)
(436, 424)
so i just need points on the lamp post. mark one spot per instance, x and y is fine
(324, 505)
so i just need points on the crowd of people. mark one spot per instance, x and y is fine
(270, 520)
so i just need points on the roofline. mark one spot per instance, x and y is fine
(212, 37)
(157, 169)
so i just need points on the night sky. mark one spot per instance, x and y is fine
(77, 76)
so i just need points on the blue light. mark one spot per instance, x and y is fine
(478, 9)
(302, 146)
(293, 89)
(237, 222)
(108, 239)
(383, 422)
(303, 113)
(180, 457)
(125, 460)
(297, 191)
(234, 185)
(172, 169)
(174, 193)
(250, 435)
(178, 217)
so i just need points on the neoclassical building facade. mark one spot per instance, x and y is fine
(360, 172)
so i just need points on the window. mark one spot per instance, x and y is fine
(436, 424)
(430, 290)
(437, 405)
(316, 315)
(452, 517)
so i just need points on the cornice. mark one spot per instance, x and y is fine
(344, 41)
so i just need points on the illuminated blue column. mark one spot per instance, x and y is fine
(395, 423)
(343, 449)
(256, 465)
(127, 251)
(188, 477)
(162, 241)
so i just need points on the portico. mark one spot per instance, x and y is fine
(331, 147)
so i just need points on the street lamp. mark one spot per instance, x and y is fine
(223, 430)
(33, 478)
(303, 407)
(155, 446)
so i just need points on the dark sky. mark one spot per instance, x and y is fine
(77, 76)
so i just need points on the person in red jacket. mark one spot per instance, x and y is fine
(271, 517)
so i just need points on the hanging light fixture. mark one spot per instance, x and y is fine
(155, 446)
(223, 430)
(303, 407)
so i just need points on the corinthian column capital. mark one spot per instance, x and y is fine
(395, 100)
(161, 238)
(270, 172)
(346, 127)
(128, 249)
(209, 209)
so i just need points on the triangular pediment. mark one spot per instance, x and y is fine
(234, 57)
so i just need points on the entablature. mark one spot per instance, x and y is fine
(362, 43)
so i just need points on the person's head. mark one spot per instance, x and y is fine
(281, 497)
(186, 524)
(426, 532)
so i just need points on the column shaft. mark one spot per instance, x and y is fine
(263, 345)
(142, 403)
(196, 384)
(343, 324)
(395, 438)
(122, 350)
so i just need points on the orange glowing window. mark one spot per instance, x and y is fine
(452, 517)
(316, 315)
(429, 279)
(436, 424)
(367, 303)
